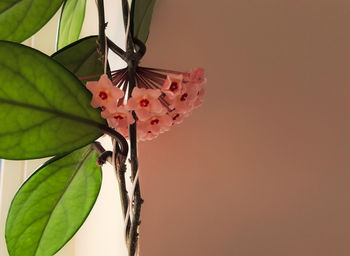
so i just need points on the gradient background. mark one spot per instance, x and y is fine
(262, 168)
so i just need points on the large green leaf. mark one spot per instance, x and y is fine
(44, 109)
(52, 204)
(81, 58)
(71, 22)
(141, 16)
(19, 19)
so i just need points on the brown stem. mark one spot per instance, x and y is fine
(105, 156)
(116, 50)
(120, 168)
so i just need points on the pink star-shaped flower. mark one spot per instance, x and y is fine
(120, 120)
(184, 102)
(172, 86)
(145, 103)
(152, 127)
(104, 94)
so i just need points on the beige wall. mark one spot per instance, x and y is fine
(262, 169)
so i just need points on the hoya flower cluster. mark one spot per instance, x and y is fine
(160, 99)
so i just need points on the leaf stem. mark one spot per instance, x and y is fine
(124, 148)
(105, 156)
(116, 50)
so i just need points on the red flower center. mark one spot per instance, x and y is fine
(118, 117)
(103, 95)
(154, 121)
(183, 97)
(176, 116)
(173, 86)
(144, 103)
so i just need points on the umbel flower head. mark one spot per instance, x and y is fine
(160, 99)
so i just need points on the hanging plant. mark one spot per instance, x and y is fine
(60, 105)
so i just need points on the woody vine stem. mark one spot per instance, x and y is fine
(131, 207)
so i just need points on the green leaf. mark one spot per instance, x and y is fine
(81, 58)
(44, 109)
(71, 22)
(19, 19)
(141, 16)
(52, 204)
